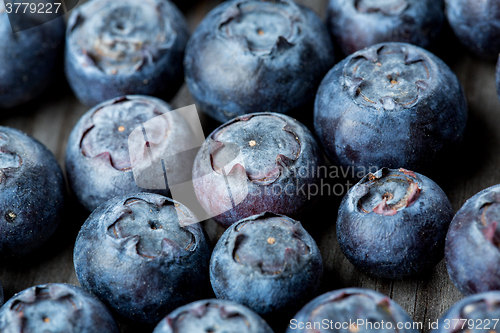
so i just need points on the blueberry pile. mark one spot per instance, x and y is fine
(388, 110)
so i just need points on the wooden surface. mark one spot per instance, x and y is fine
(476, 166)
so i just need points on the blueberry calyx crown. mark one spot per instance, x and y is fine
(152, 229)
(262, 145)
(280, 240)
(388, 191)
(9, 161)
(107, 131)
(124, 38)
(44, 302)
(209, 315)
(386, 7)
(266, 27)
(353, 303)
(480, 309)
(392, 77)
(487, 221)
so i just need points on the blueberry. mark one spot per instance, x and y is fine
(98, 164)
(477, 313)
(390, 105)
(275, 169)
(476, 24)
(498, 77)
(393, 223)
(143, 255)
(352, 310)
(56, 308)
(268, 263)
(257, 55)
(214, 316)
(29, 59)
(31, 193)
(356, 24)
(115, 48)
(472, 244)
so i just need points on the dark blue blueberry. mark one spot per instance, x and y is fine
(268, 263)
(352, 310)
(28, 59)
(31, 193)
(473, 244)
(257, 56)
(56, 308)
(275, 168)
(498, 77)
(391, 105)
(393, 224)
(98, 164)
(475, 314)
(356, 24)
(116, 48)
(213, 316)
(476, 24)
(143, 256)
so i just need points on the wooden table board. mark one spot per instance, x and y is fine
(477, 166)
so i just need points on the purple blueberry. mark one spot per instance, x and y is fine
(116, 48)
(475, 314)
(214, 316)
(472, 244)
(267, 161)
(257, 56)
(390, 105)
(28, 59)
(31, 193)
(393, 223)
(476, 24)
(268, 263)
(352, 310)
(356, 24)
(56, 308)
(98, 164)
(143, 255)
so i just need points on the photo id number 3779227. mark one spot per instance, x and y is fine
(32, 7)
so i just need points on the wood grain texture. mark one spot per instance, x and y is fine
(476, 166)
